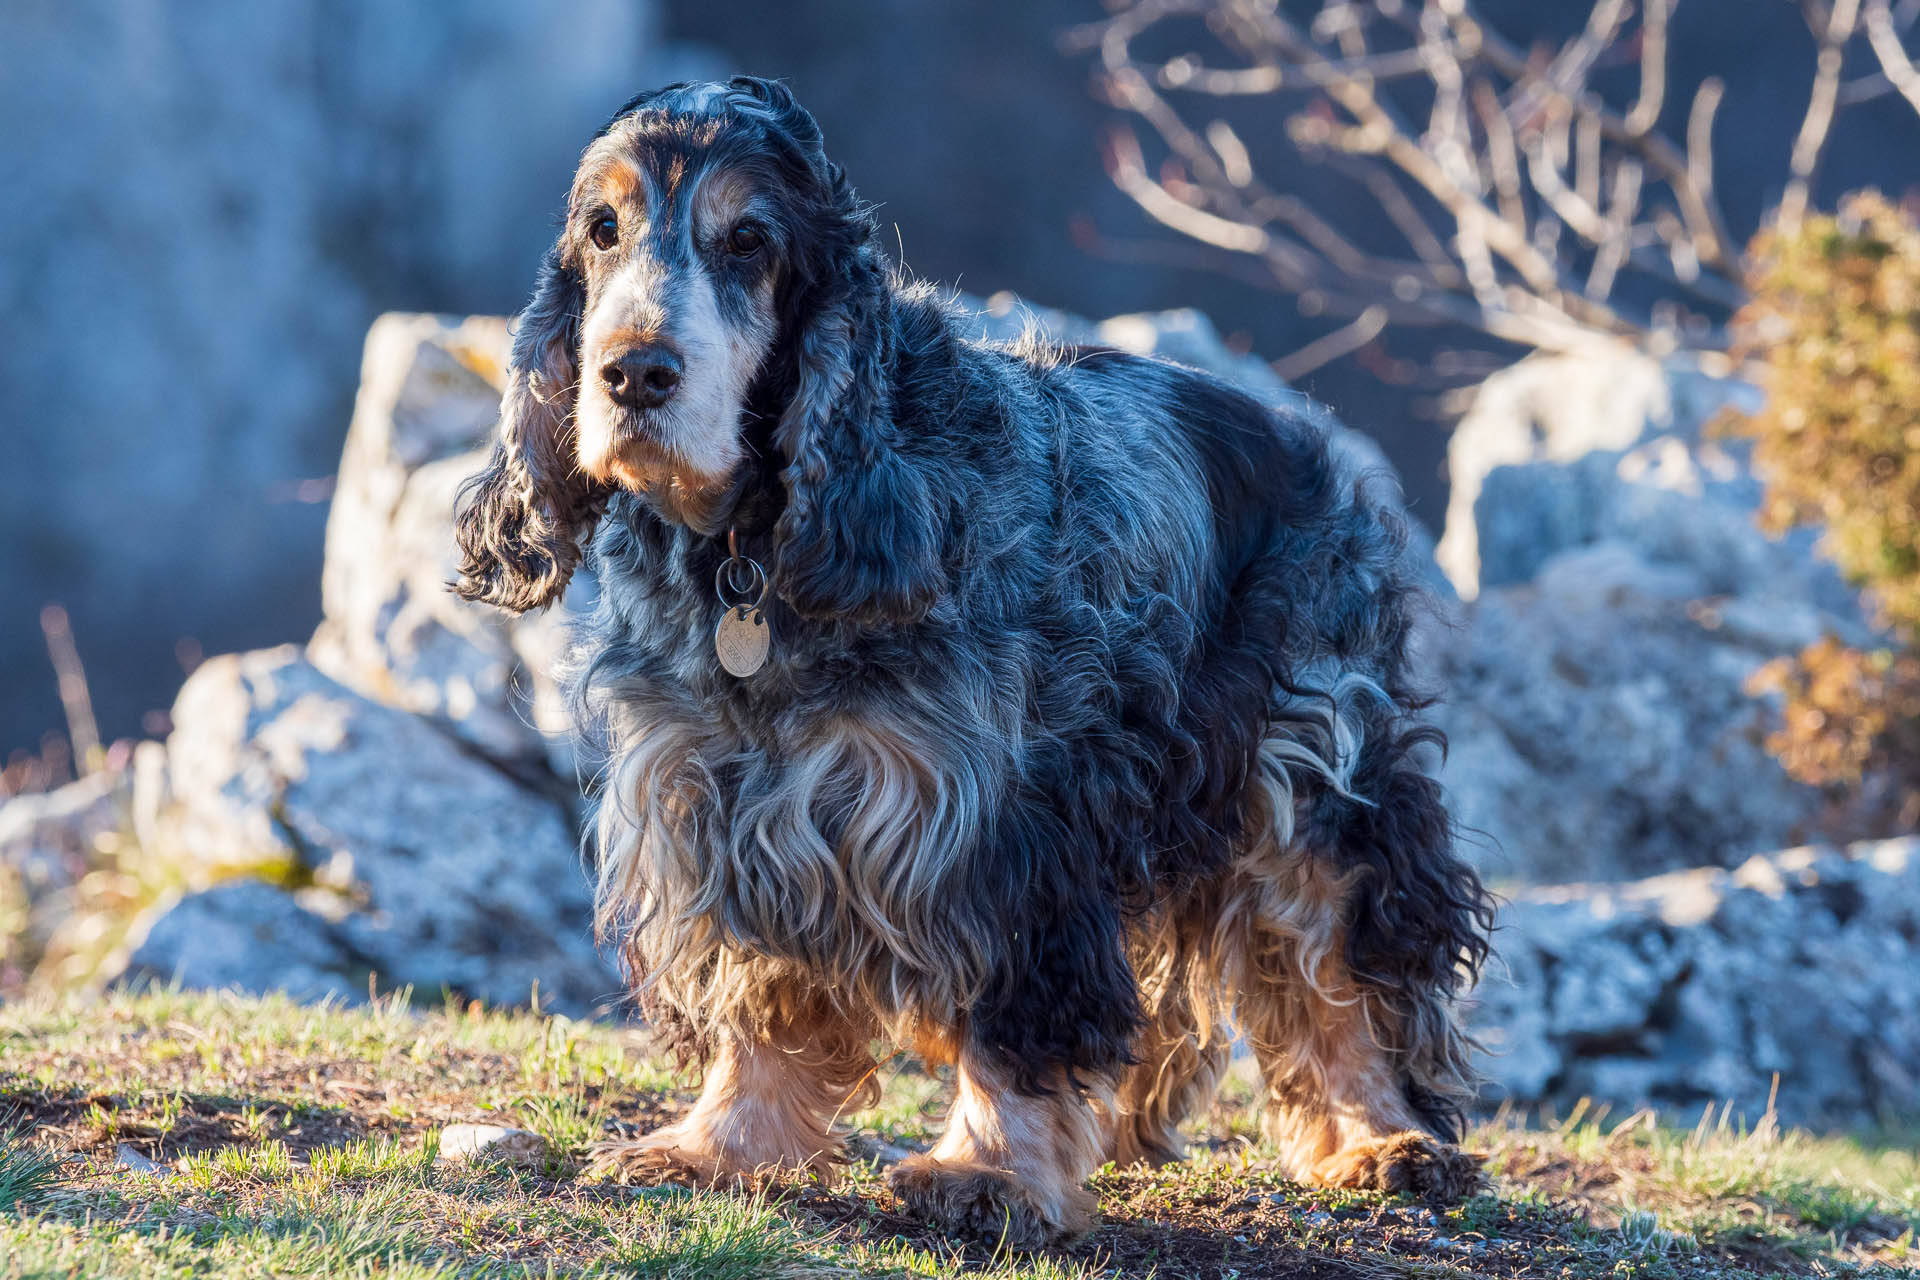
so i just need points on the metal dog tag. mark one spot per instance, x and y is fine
(741, 639)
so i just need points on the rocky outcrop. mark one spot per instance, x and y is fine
(48, 842)
(62, 854)
(429, 400)
(248, 935)
(1562, 452)
(1703, 986)
(427, 864)
(1619, 593)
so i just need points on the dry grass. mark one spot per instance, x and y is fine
(301, 1141)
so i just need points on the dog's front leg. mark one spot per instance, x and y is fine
(1011, 1167)
(767, 1105)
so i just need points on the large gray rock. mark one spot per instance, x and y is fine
(1609, 445)
(247, 935)
(1619, 595)
(1599, 724)
(1700, 986)
(428, 404)
(443, 869)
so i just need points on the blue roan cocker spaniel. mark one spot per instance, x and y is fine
(1043, 710)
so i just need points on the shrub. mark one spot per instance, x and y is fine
(1834, 320)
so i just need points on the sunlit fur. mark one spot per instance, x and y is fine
(1086, 733)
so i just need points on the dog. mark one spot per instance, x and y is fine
(1044, 711)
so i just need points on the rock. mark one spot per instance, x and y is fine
(447, 871)
(1562, 451)
(477, 1143)
(247, 935)
(428, 404)
(1599, 725)
(1619, 595)
(1696, 987)
(48, 843)
(134, 1162)
(871, 1148)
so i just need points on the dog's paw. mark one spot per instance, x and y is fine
(990, 1205)
(663, 1156)
(1406, 1163)
(679, 1156)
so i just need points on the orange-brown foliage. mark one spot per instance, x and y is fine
(1835, 323)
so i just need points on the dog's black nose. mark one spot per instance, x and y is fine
(642, 377)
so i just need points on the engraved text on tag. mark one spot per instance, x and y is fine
(741, 640)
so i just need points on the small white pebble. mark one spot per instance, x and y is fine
(464, 1143)
(137, 1163)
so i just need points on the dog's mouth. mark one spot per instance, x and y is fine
(635, 460)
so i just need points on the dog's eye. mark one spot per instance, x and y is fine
(605, 231)
(744, 242)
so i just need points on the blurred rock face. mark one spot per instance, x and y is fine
(201, 209)
(395, 851)
(1619, 593)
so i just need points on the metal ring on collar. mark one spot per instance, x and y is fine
(724, 581)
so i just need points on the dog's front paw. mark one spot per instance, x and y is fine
(991, 1205)
(681, 1154)
(1406, 1163)
(668, 1155)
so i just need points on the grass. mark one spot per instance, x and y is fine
(301, 1141)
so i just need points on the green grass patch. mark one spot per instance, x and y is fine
(301, 1141)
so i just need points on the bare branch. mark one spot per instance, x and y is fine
(1407, 220)
(1531, 207)
(1811, 143)
(1618, 244)
(1699, 184)
(1125, 167)
(1234, 160)
(1884, 35)
(75, 696)
(1344, 341)
(1653, 69)
(1705, 220)
(1503, 156)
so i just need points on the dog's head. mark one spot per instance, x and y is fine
(710, 253)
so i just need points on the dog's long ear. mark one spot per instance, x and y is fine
(520, 522)
(860, 536)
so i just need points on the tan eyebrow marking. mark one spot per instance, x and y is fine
(620, 184)
(722, 196)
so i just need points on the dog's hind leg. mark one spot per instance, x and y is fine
(1011, 1167)
(1184, 1042)
(767, 1105)
(1334, 1051)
